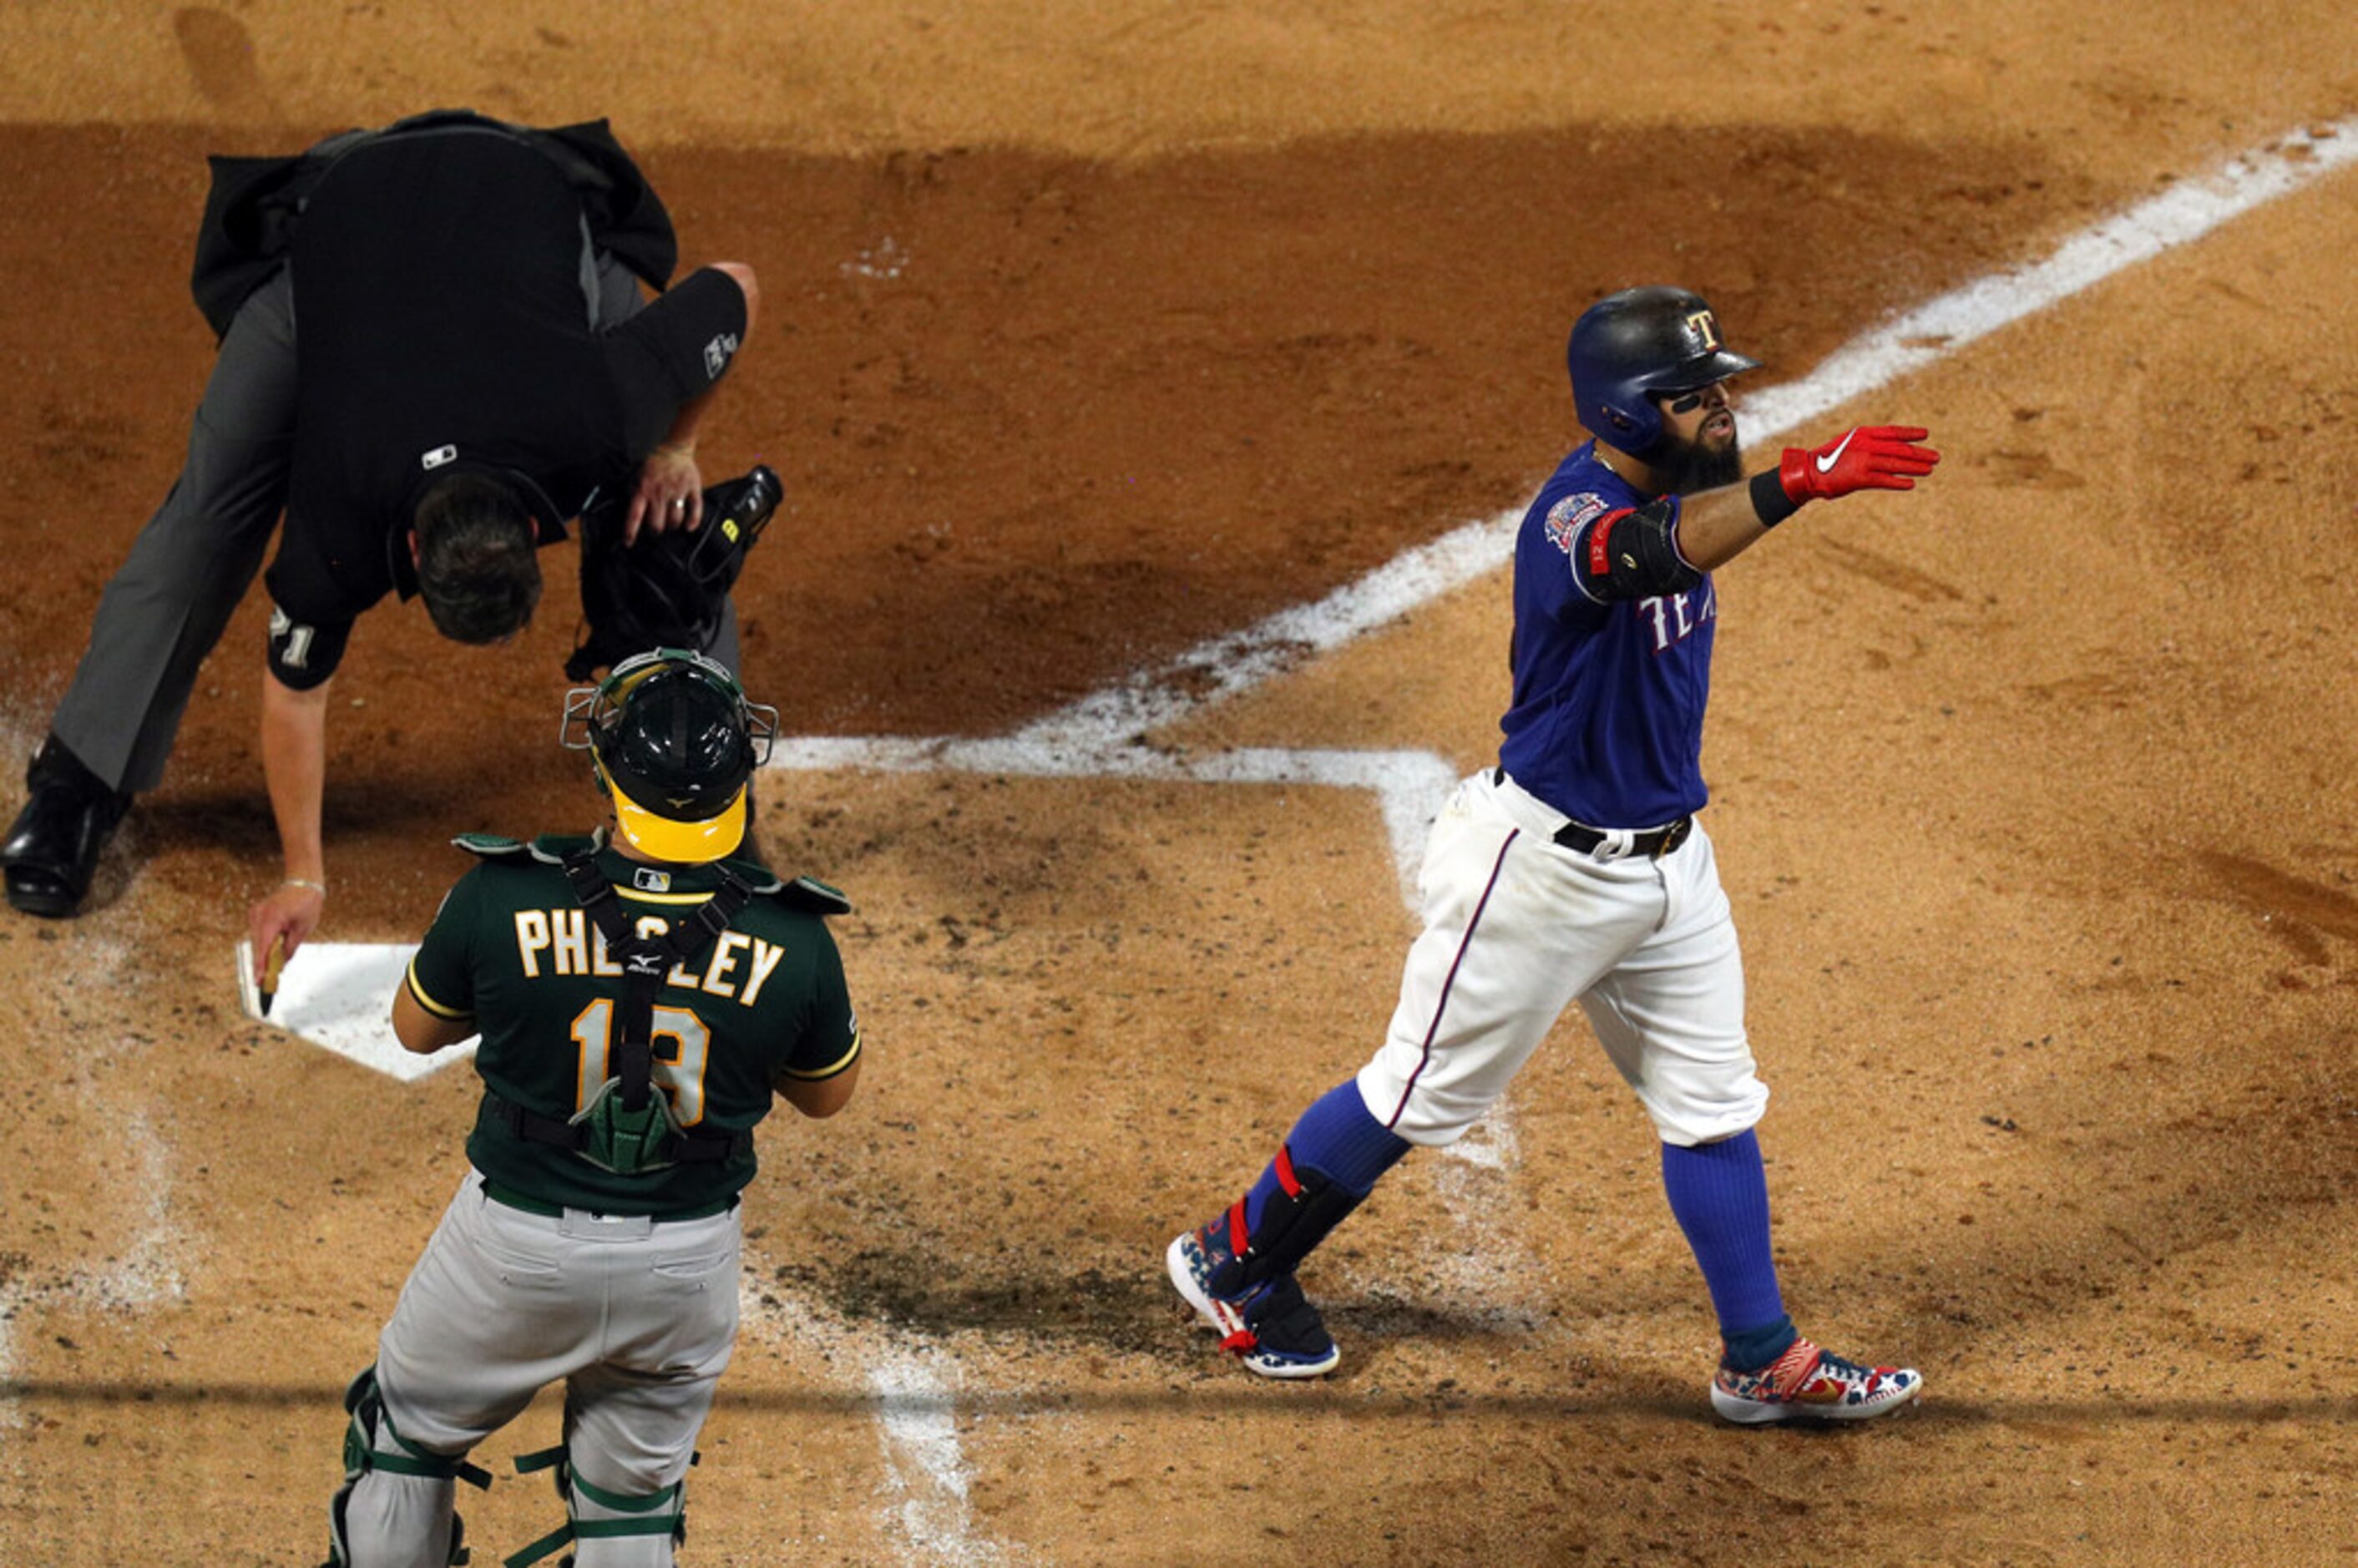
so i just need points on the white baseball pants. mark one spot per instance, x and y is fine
(1515, 926)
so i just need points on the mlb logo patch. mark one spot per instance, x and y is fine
(1568, 516)
(717, 354)
(646, 878)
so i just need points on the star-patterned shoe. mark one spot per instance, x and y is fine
(1271, 1327)
(1809, 1384)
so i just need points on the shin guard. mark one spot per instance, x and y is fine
(403, 1492)
(602, 1523)
(1293, 1221)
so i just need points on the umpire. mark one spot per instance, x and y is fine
(475, 367)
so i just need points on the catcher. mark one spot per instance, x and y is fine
(642, 995)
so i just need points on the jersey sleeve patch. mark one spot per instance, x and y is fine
(303, 657)
(1589, 515)
(673, 351)
(1567, 517)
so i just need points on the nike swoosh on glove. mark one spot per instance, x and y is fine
(1869, 457)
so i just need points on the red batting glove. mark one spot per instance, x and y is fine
(1869, 457)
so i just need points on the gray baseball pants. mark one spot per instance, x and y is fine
(165, 608)
(638, 1318)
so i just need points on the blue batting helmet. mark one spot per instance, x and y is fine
(1641, 341)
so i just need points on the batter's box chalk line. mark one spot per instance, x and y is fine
(145, 1274)
(926, 1512)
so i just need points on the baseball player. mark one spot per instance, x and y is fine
(474, 367)
(1576, 868)
(641, 997)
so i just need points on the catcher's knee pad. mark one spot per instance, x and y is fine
(373, 1448)
(654, 1520)
(1294, 1220)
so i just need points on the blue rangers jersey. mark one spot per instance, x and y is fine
(1605, 724)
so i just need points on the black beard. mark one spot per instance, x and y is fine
(1692, 466)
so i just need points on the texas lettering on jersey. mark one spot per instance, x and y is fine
(1606, 720)
(1675, 617)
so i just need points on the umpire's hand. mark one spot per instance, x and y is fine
(670, 493)
(291, 911)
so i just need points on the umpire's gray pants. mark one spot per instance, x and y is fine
(165, 609)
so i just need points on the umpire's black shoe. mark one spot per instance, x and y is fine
(54, 842)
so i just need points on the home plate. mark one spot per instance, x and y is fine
(339, 995)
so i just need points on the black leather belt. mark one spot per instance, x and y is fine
(1653, 843)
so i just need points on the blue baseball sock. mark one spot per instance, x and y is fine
(1337, 1138)
(1720, 1193)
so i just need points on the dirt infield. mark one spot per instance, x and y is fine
(1093, 331)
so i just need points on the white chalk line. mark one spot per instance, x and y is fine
(147, 1271)
(917, 1427)
(1106, 734)
(928, 1516)
(1410, 787)
(144, 1273)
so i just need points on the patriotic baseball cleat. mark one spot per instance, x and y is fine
(1272, 1326)
(1810, 1384)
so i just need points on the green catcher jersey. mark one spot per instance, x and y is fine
(512, 949)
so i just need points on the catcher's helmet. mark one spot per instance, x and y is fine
(1641, 341)
(674, 742)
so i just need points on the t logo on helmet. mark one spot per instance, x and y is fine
(1705, 327)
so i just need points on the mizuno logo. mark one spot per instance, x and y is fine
(1826, 460)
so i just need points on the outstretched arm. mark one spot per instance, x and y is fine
(294, 767)
(1719, 525)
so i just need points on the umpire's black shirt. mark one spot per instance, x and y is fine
(441, 320)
